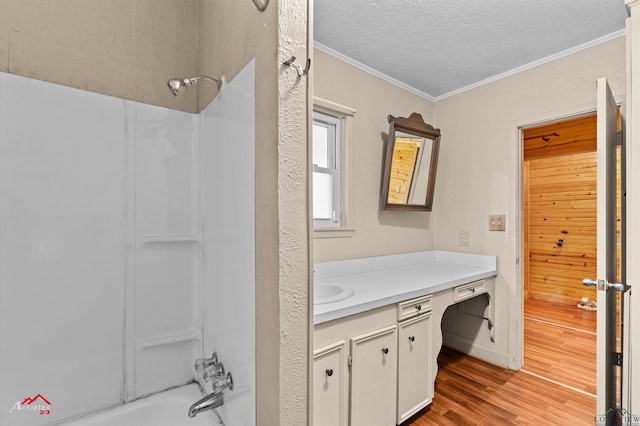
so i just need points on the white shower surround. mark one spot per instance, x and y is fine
(114, 250)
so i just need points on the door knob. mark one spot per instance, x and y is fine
(605, 285)
(618, 287)
(412, 338)
(329, 372)
(385, 350)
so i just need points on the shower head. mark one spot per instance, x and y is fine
(178, 86)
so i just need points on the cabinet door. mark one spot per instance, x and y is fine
(329, 385)
(415, 384)
(373, 378)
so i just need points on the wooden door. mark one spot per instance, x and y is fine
(606, 363)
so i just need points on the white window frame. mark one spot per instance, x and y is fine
(333, 126)
(343, 227)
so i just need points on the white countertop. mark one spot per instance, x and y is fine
(384, 280)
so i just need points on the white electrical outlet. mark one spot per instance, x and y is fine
(463, 238)
(496, 222)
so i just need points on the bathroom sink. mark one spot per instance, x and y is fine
(330, 294)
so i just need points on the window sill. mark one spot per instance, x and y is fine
(336, 232)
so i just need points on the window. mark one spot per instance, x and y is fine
(326, 170)
(331, 184)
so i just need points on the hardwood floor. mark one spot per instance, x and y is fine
(565, 314)
(552, 389)
(560, 343)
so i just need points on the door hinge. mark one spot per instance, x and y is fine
(350, 360)
(619, 137)
(618, 358)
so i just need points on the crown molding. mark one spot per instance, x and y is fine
(497, 77)
(369, 70)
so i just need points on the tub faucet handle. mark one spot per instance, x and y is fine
(222, 382)
(213, 372)
(202, 364)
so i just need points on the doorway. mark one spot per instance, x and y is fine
(559, 190)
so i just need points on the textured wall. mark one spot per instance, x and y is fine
(477, 173)
(376, 232)
(295, 309)
(123, 48)
(234, 32)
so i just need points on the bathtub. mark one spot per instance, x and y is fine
(167, 408)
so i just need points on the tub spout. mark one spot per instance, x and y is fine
(209, 402)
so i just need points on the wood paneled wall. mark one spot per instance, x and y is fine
(559, 194)
(559, 203)
(562, 138)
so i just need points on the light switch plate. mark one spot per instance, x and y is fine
(496, 222)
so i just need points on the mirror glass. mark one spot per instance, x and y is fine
(410, 164)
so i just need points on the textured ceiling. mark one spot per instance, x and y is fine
(441, 47)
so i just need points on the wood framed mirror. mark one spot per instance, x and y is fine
(410, 164)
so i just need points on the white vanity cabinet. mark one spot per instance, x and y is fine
(415, 381)
(329, 385)
(369, 343)
(383, 375)
(385, 335)
(373, 377)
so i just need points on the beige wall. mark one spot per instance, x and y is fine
(478, 174)
(128, 49)
(123, 48)
(478, 171)
(630, 391)
(376, 232)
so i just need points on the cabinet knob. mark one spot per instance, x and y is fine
(385, 350)
(412, 338)
(329, 372)
(418, 307)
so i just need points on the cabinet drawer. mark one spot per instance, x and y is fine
(469, 290)
(411, 308)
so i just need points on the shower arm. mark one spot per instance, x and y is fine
(178, 85)
(200, 77)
